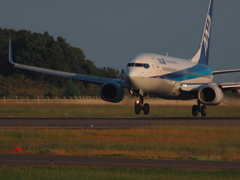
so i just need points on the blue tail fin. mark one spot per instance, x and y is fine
(203, 53)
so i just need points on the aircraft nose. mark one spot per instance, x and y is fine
(131, 74)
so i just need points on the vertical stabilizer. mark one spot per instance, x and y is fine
(203, 53)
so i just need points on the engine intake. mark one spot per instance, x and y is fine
(210, 95)
(112, 92)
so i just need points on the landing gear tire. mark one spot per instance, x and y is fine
(137, 108)
(199, 109)
(140, 106)
(146, 109)
(203, 110)
(194, 110)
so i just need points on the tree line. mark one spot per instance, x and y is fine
(43, 50)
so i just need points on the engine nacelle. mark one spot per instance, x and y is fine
(210, 95)
(112, 92)
(237, 91)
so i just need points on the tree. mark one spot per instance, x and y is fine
(43, 50)
(71, 90)
(110, 72)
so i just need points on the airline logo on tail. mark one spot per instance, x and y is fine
(207, 33)
(203, 52)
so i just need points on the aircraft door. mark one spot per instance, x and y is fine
(156, 67)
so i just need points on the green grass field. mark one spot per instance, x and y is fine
(126, 109)
(168, 142)
(217, 143)
(57, 173)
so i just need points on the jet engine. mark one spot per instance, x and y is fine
(237, 90)
(210, 95)
(112, 92)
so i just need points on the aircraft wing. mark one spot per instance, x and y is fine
(82, 77)
(196, 86)
(85, 78)
(229, 85)
(225, 71)
(192, 86)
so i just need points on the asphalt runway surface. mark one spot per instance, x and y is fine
(114, 123)
(27, 160)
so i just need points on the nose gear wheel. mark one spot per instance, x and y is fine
(140, 106)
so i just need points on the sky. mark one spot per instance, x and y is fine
(111, 31)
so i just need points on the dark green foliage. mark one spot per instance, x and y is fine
(71, 90)
(4, 92)
(43, 50)
(109, 72)
(49, 95)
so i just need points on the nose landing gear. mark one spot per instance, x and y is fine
(140, 106)
(199, 108)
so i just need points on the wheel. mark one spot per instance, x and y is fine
(146, 109)
(203, 110)
(194, 110)
(137, 108)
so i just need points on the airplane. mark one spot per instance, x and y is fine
(159, 76)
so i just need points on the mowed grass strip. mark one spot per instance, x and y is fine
(45, 110)
(168, 142)
(18, 172)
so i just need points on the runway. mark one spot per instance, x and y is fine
(27, 160)
(116, 123)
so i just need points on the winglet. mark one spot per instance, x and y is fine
(203, 53)
(10, 53)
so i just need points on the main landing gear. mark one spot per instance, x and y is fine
(140, 106)
(199, 108)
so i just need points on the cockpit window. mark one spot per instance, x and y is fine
(139, 65)
(146, 66)
(130, 64)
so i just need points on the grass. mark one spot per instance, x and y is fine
(18, 172)
(168, 142)
(42, 110)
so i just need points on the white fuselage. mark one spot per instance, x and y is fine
(162, 76)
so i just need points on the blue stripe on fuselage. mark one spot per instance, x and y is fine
(199, 70)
